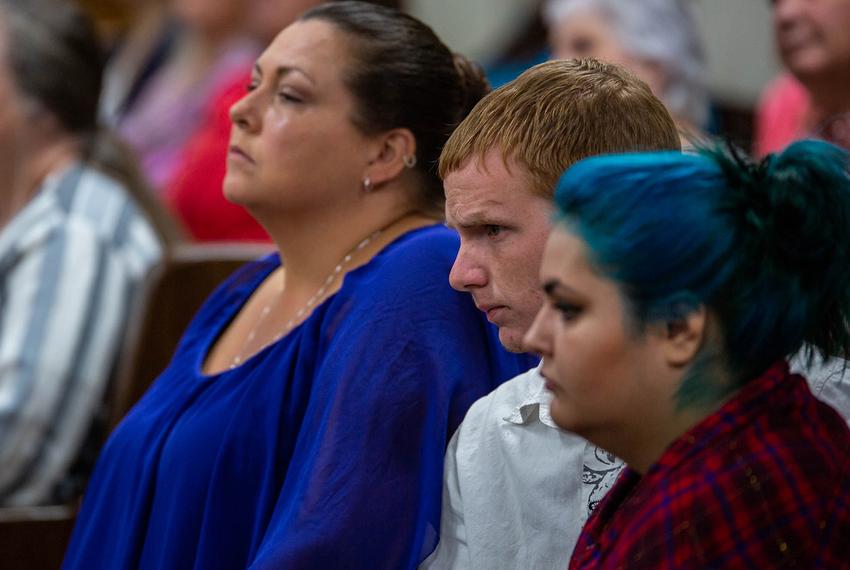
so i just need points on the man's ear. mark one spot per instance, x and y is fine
(683, 336)
(395, 150)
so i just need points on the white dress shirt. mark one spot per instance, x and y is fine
(512, 494)
(829, 381)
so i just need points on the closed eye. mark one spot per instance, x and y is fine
(289, 97)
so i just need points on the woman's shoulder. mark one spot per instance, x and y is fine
(430, 247)
(411, 275)
(419, 258)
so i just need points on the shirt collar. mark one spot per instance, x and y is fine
(535, 404)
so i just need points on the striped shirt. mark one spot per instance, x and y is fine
(70, 262)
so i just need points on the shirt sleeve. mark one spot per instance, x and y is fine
(452, 552)
(365, 482)
(61, 307)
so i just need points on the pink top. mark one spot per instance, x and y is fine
(781, 115)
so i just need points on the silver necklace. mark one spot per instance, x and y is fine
(311, 302)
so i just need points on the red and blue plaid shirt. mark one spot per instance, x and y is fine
(764, 482)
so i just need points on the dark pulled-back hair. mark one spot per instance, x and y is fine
(764, 247)
(404, 76)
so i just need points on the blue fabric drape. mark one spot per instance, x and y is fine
(325, 450)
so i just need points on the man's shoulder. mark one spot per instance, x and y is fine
(505, 400)
(514, 415)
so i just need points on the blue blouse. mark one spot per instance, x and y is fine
(324, 450)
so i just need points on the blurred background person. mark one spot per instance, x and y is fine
(74, 246)
(658, 40)
(527, 47)
(210, 50)
(814, 100)
(303, 420)
(139, 37)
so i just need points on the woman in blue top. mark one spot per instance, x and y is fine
(303, 419)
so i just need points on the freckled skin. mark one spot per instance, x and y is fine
(585, 33)
(503, 227)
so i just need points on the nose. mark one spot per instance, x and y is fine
(242, 113)
(467, 273)
(538, 338)
(785, 13)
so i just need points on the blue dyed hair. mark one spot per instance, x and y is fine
(764, 247)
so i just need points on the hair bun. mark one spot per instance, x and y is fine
(792, 207)
(474, 84)
(792, 215)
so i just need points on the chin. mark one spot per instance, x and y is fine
(567, 418)
(807, 64)
(563, 417)
(233, 191)
(511, 340)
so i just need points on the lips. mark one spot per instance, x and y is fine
(495, 313)
(237, 153)
(795, 39)
(550, 384)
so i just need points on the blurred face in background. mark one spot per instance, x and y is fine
(217, 18)
(586, 33)
(13, 107)
(813, 36)
(14, 111)
(266, 18)
(9, 98)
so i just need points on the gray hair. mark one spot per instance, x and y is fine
(55, 59)
(663, 32)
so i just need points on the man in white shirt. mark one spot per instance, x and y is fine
(518, 489)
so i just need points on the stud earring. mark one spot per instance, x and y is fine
(367, 184)
(409, 161)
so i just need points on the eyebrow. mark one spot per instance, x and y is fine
(283, 70)
(553, 286)
(479, 217)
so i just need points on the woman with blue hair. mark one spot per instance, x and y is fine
(677, 287)
(658, 40)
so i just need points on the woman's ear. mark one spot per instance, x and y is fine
(395, 151)
(683, 336)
